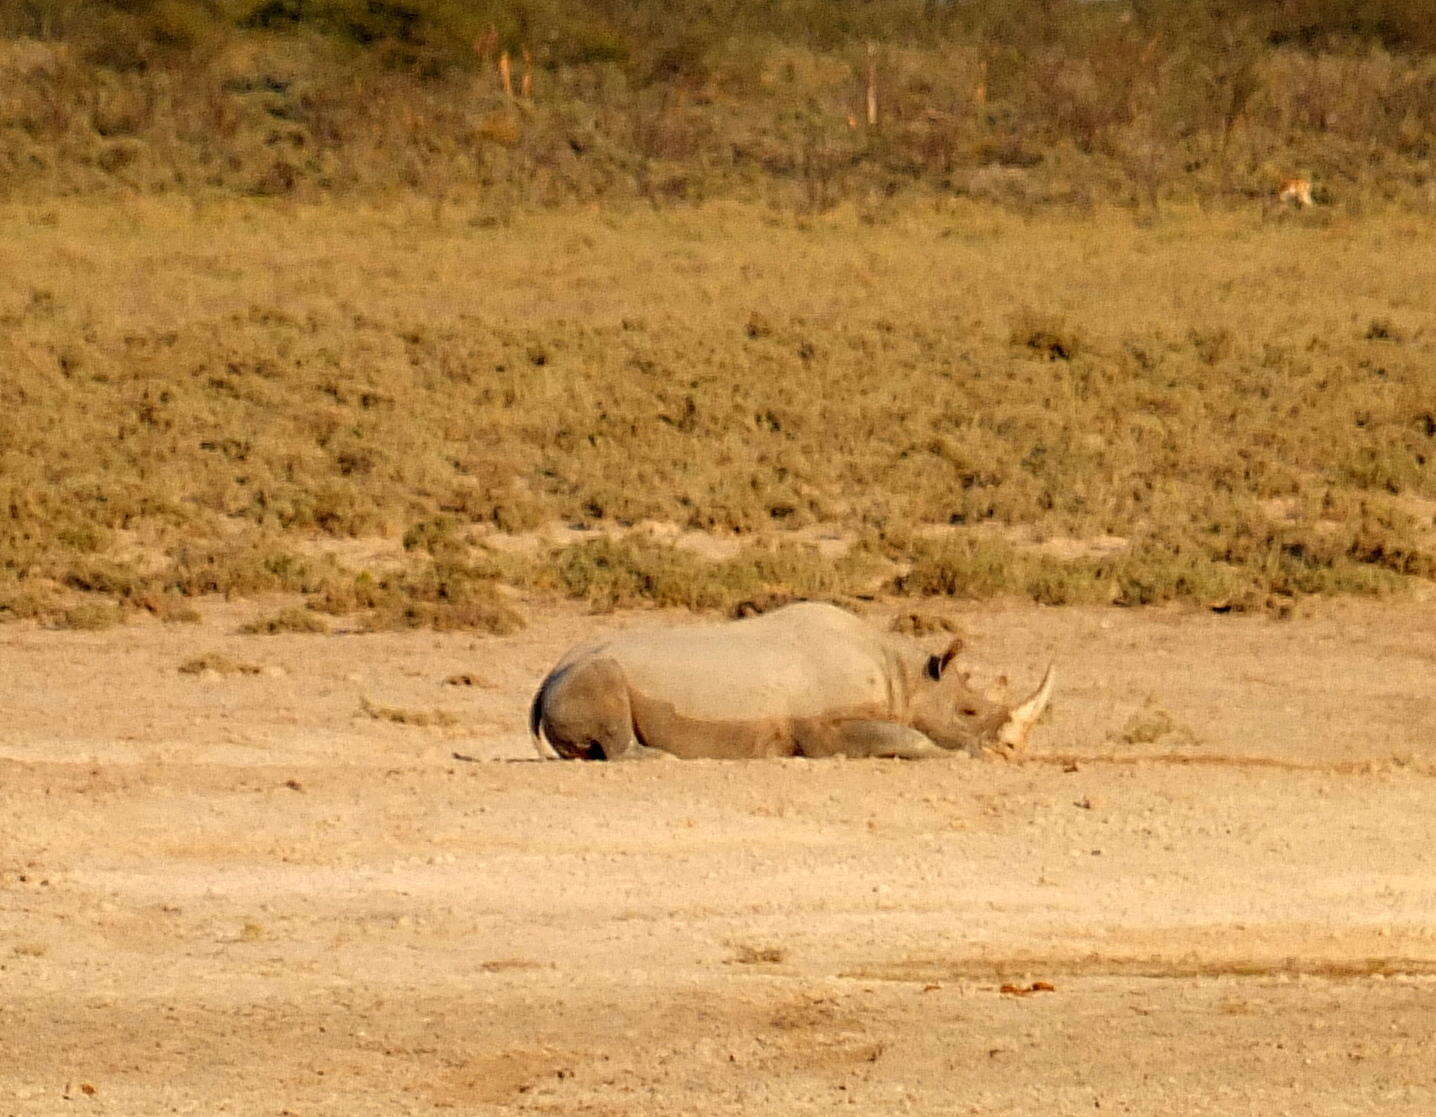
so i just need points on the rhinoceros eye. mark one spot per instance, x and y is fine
(969, 712)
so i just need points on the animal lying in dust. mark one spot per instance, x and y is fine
(805, 680)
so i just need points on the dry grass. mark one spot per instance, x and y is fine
(1153, 724)
(748, 954)
(424, 719)
(612, 573)
(1245, 407)
(924, 624)
(90, 616)
(219, 664)
(469, 678)
(446, 595)
(293, 619)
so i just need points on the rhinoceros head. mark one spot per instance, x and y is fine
(954, 715)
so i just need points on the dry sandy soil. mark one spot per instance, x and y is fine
(244, 893)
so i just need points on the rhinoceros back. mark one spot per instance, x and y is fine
(799, 662)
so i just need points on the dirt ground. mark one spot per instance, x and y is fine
(254, 893)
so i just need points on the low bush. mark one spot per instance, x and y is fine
(292, 620)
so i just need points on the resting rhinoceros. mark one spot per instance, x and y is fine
(805, 680)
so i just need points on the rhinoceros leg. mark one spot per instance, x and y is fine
(863, 739)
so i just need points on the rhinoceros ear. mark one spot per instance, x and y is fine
(937, 664)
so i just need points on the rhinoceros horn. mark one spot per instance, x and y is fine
(1022, 718)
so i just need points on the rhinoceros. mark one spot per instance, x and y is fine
(804, 680)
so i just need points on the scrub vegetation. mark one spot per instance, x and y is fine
(299, 299)
(499, 105)
(1246, 419)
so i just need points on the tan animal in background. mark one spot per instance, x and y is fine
(1294, 192)
(805, 680)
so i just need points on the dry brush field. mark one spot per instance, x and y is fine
(1224, 411)
(299, 504)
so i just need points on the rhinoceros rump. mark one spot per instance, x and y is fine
(806, 680)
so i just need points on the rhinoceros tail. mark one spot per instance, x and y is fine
(545, 750)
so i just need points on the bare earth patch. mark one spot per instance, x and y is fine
(253, 896)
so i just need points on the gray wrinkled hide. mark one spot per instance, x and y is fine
(806, 680)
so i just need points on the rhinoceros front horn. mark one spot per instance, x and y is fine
(1022, 718)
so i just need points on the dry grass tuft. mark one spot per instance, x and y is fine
(508, 965)
(91, 616)
(1047, 336)
(217, 663)
(25, 599)
(924, 624)
(170, 609)
(746, 954)
(468, 678)
(425, 719)
(1151, 725)
(294, 619)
